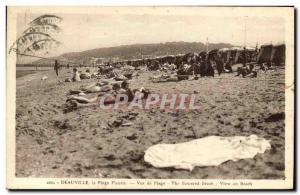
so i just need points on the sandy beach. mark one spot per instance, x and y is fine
(90, 142)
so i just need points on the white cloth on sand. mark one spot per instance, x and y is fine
(207, 151)
(44, 77)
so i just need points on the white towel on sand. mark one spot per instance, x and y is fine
(207, 151)
(44, 77)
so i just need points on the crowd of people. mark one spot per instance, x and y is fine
(181, 66)
(113, 78)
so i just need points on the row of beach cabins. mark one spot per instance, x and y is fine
(273, 54)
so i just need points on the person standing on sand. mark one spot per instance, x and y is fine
(244, 57)
(56, 67)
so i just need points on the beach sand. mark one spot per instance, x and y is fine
(89, 142)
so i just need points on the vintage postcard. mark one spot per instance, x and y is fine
(150, 97)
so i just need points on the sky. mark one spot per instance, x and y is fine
(84, 31)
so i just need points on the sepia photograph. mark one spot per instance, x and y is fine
(150, 97)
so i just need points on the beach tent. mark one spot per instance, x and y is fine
(278, 54)
(250, 48)
(202, 54)
(224, 54)
(236, 48)
(136, 62)
(169, 58)
(264, 54)
(224, 49)
(178, 59)
(189, 57)
(233, 53)
(237, 56)
(251, 54)
(227, 55)
(211, 54)
(214, 51)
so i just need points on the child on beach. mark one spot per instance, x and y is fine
(56, 67)
(76, 76)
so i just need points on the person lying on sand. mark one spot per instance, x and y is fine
(117, 75)
(93, 88)
(253, 74)
(86, 75)
(103, 85)
(77, 101)
(247, 71)
(165, 78)
(116, 89)
(266, 66)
